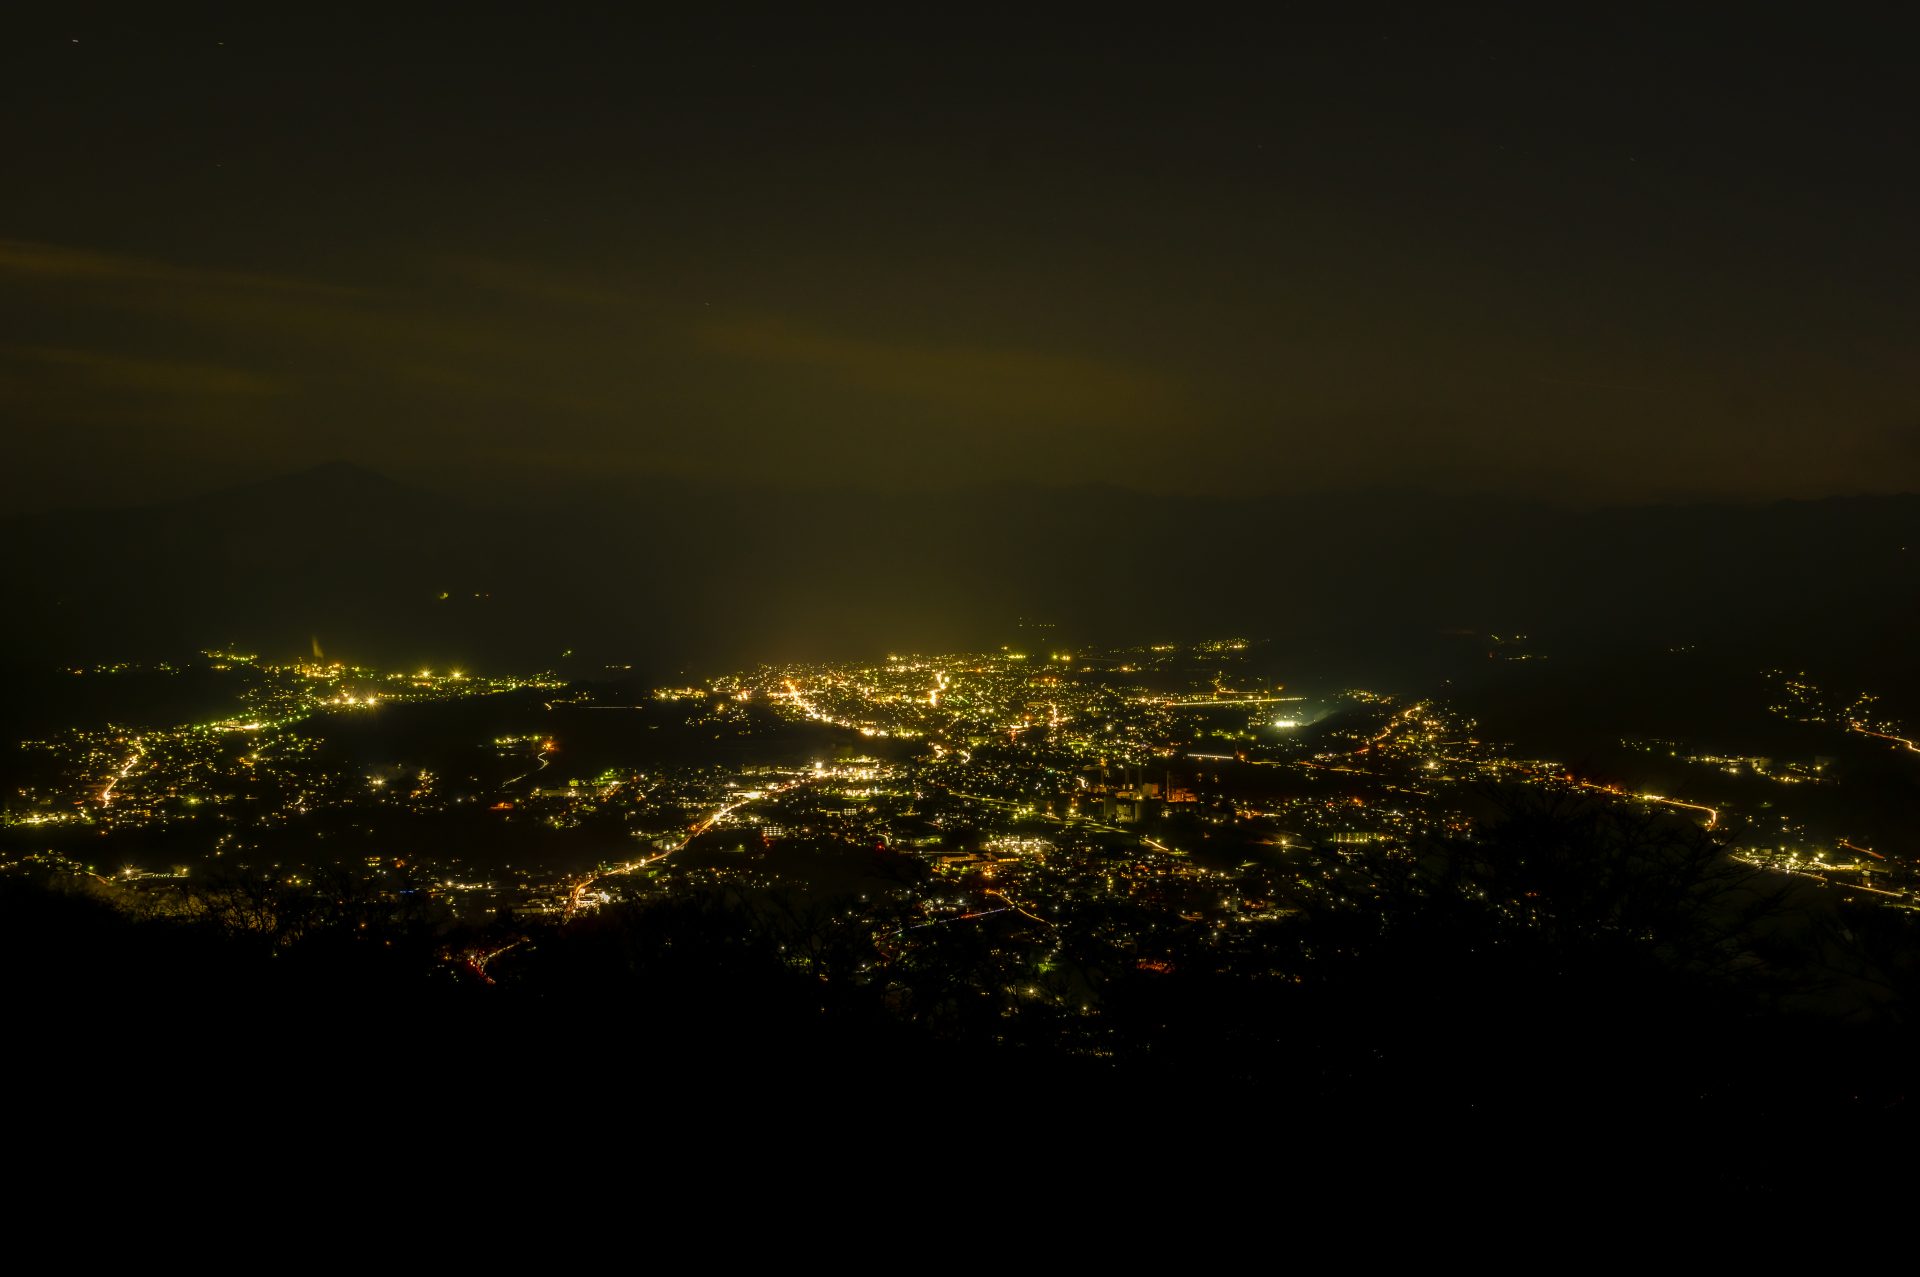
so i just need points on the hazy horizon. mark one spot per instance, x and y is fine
(558, 491)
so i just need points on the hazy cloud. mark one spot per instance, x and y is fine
(131, 374)
(1037, 386)
(33, 260)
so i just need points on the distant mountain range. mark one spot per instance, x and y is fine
(678, 575)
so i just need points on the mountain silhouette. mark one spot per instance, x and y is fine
(681, 574)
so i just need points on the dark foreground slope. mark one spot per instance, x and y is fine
(1570, 1000)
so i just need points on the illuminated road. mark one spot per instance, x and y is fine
(794, 696)
(958, 917)
(1016, 906)
(1398, 720)
(477, 961)
(719, 814)
(1070, 822)
(133, 760)
(1008, 905)
(1901, 741)
(1905, 899)
(1712, 814)
(544, 758)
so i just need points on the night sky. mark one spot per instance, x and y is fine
(1605, 257)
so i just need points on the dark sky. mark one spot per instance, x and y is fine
(1603, 257)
